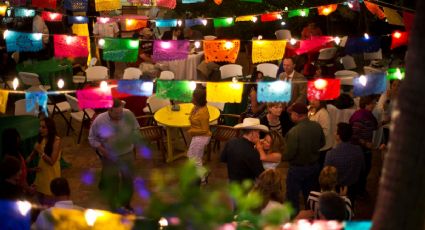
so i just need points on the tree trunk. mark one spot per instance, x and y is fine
(401, 197)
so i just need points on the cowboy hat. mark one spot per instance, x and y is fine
(252, 123)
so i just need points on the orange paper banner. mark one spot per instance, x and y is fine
(221, 50)
(375, 10)
(326, 10)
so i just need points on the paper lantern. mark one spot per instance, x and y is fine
(227, 92)
(314, 44)
(136, 87)
(22, 12)
(76, 5)
(166, 23)
(399, 39)
(408, 19)
(19, 41)
(396, 74)
(247, 18)
(194, 22)
(393, 17)
(50, 4)
(191, 1)
(107, 5)
(264, 51)
(170, 50)
(174, 90)
(70, 46)
(362, 45)
(120, 49)
(78, 19)
(371, 84)
(299, 12)
(4, 94)
(94, 98)
(269, 17)
(374, 9)
(34, 99)
(275, 91)
(221, 50)
(3, 9)
(326, 10)
(171, 4)
(51, 16)
(323, 89)
(223, 22)
(218, 2)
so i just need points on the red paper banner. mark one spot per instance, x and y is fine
(49, 4)
(399, 39)
(51, 16)
(70, 46)
(166, 3)
(314, 44)
(323, 89)
(408, 19)
(270, 17)
(94, 98)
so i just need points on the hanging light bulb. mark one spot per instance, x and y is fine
(337, 40)
(69, 39)
(91, 215)
(260, 37)
(204, 22)
(101, 42)
(79, 18)
(192, 85)
(179, 23)
(5, 33)
(53, 16)
(283, 23)
(320, 84)
(104, 86)
(293, 41)
(165, 45)
(350, 5)
(398, 74)
(15, 83)
(163, 222)
(302, 13)
(61, 83)
(286, 8)
(366, 36)
(363, 80)
(279, 16)
(23, 207)
(104, 20)
(197, 44)
(228, 45)
(254, 19)
(397, 34)
(235, 80)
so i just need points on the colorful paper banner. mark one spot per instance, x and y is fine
(94, 98)
(327, 9)
(19, 41)
(218, 2)
(393, 17)
(314, 44)
(121, 49)
(246, 18)
(399, 39)
(70, 46)
(191, 1)
(174, 90)
(134, 24)
(223, 22)
(50, 4)
(396, 74)
(4, 94)
(323, 89)
(166, 23)
(78, 19)
(269, 17)
(221, 50)
(362, 45)
(264, 51)
(170, 50)
(227, 92)
(76, 5)
(51, 16)
(107, 5)
(34, 99)
(136, 87)
(374, 83)
(408, 19)
(275, 91)
(22, 12)
(166, 3)
(374, 9)
(194, 22)
(82, 30)
(299, 12)
(3, 9)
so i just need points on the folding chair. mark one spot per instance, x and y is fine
(78, 114)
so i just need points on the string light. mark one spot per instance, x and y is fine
(192, 85)
(61, 83)
(163, 222)
(397, 34)
(228, 45)
(23, 207)
(37, 36)
(69, 39)
(104, 86)
(101, 42)
(366, 36)
(229, 20)
(260, 37)
(15, 83)
(337, 40)
(320, 83)
(165, 45)
(6, 32)
(363, 80)
(254, 19)
(293, 41)
(283, 23)
(197, 44)
(179, 23)
(204, 22)
(91, 215)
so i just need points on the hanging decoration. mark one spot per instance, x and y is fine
(20, 41)
(246, 18)
(49, 4)
(175, 90)
(218, 2)
(4, 94)
(195, 22)
(104, 20)
(393, 17)
(170, 50)
(399, 39)
(3, 9)
(136, 87)
(107, 5)
(171, 4)
(22, 12)
(76, 5)
(77, 19)
(299, 12)
(94, 98)
(34, 99)
(314, 44)
(223, 22)
(353, 5)
(323, 89)
(166, 23)
(134, 24)
(12, 217)
(70, 46)
(120, 49)
(191, 1)
(374, 83)
(51, 16)
(226, 92)
(375, 10)
(408, 19)
(264, 50)
(82, 30)
(326, 10)
(221, 50)
(276, 91)
(395, 74)
(270, 17)
(362, 45)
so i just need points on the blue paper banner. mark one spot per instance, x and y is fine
(34, 99)
(22, 12)
(11, 218)
(193, 22)
(136, 87)
(362, 45)
(166, 23)
(371, 84)
(78, 19)
(19, 41)
(76, 5)
(275, 91)
(191, 1)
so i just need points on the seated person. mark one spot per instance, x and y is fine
(254, 108)
(175, 33)
(270, 149)
(10, 173)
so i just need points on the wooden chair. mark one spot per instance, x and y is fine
(220, 133)
(151, 133)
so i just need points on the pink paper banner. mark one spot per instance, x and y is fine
(94, 98)
(166, 3)
(70, 46)
(51, 16)
(314, 44)
(170, 50)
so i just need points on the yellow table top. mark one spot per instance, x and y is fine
(180, 119)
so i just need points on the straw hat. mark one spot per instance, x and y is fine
(252, 123)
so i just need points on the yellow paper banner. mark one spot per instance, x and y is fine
(221, 50)
(224, 92)
(107, 5)
(326, 10)
(246, 18)
(393, 17)
(4, 94)
(264, 51)
(83, 30)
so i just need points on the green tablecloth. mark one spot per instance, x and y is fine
(50, 71)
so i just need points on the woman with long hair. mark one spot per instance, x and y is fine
(270, 149)
(270, 187)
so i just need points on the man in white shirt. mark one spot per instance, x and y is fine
(298, 82)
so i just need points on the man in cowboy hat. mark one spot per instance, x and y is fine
(242, 158)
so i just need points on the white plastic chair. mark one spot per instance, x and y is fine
(78, 114)
(327, 53)
(268, 69)
(346, 76)
(210, 37)
(370, 70)
(77, 79)
(166, 75)
(230, 70)
(92, 62)
(373, 56)
(343, 41)
(32, 80)
(155, 103)
(96, 73)
(20, 108)
(283, 34)
(131, 73)
(348, 62)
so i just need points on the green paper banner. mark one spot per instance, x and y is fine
(395, 74)
(299, 12)
(223, 22)
(120, 49)
(175, 90)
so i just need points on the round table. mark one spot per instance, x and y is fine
(179, 119)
